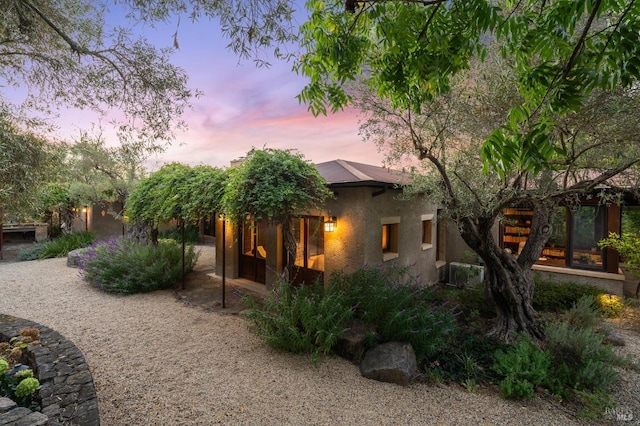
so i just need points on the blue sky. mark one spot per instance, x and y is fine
(244, 107)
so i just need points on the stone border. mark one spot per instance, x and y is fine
(67, 392)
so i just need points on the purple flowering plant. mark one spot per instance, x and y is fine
(127, 265)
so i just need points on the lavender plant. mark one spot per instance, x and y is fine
(399, 305)
(131, 266)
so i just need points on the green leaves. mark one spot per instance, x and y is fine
(408, 52)
(176, 191)
(273, 184)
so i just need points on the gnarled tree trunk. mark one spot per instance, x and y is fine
(509, 279)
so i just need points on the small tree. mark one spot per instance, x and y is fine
(277, 185)
(26, 160)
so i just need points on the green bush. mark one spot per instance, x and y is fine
(61, 246)
(523, 367)
(129, 266)
(550, 296)
(399, 306)
(579, 359)
(191, 234)
(469, 300)
(303, 319)
(33, 252)
(468, 355)
(58, 247)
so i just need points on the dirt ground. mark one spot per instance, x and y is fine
(205, 292)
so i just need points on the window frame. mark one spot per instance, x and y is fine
(390, 229)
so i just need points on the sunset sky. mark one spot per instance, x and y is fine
(244, 107)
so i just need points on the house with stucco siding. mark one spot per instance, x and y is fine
(366, 223)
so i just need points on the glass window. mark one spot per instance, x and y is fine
(555, 251)
(427, 226)
(588, 226)
(309, 235)
(631, 220)
(390, 241)
(254, 240)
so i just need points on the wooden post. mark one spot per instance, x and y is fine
(224, 261)
(183, 249)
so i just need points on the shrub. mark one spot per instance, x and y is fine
(469, 355)
(579, 359)
(550, 296)
(469, 300)
(191, 235)
(523, 367)
(399, 306)
(303, 319)
(129, 266)
(33, 252)
(628, 246)
(61, 246)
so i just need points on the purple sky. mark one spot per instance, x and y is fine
(244, 107)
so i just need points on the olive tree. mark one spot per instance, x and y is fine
(565, 58)
(26, 161)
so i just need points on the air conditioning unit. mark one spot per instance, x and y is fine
(465, 274)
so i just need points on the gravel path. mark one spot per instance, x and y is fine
(156, 361)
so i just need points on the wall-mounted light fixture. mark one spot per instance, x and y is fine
(330, 224)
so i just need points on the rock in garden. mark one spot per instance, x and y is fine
(74, 256)
(6, 404)
(352, 345)
(614, 338)
(392, 362)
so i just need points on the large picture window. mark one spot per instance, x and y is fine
(574, 235)
(588, 226)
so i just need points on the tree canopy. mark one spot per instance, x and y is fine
(552, 122)
(26, 162)
(408, 53)
(82, 54)
(176, 191)
(598, 157)
(276, 185)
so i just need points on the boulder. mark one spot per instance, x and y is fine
(74, 256)
(353, 344)
(614, 338)
(392, 362)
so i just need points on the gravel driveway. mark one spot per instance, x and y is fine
(156, 361)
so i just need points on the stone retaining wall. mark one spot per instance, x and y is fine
(67, 391)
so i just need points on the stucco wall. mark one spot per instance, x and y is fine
(358, 238)
(105, 226)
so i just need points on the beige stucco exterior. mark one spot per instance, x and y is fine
(357, 239)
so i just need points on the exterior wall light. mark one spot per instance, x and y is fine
(330, 224)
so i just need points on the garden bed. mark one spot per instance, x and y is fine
(67, 394)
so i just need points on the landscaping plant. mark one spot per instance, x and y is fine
(305, 319)
(130, 266)
(523, 367)
(400, 307)
(59, 247)
(16, 380)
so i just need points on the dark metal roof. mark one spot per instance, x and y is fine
(348, 172)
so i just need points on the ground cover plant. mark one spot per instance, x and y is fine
(58, 247)
(448, 329)
(16, 379)
(128, 265)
